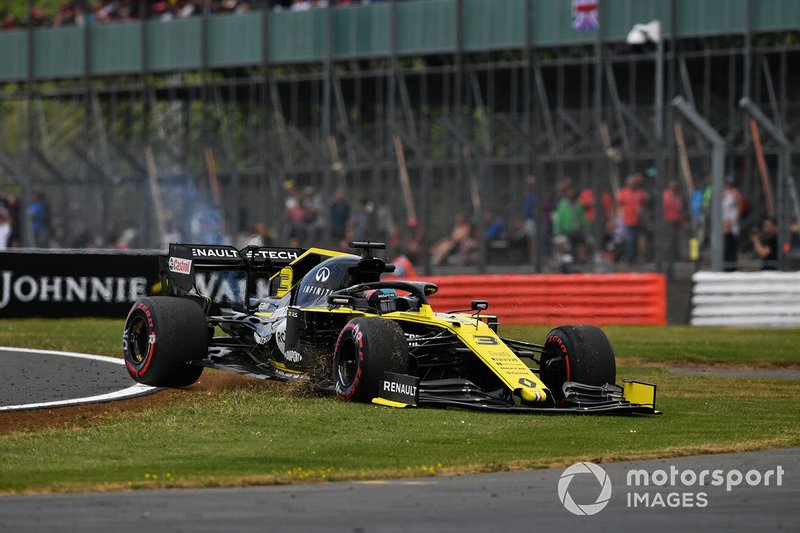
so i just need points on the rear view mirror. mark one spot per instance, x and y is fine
(479, 305)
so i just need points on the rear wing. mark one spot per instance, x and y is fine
(179, 267)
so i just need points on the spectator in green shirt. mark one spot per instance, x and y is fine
(569, 220)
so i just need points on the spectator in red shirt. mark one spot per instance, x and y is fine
(11, 22)
(673, 220)
(37, 18)
(631, 201)
(586, 199)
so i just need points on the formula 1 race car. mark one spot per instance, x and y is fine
(326, 318)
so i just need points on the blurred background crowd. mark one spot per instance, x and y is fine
(83, 12)
(561, 226)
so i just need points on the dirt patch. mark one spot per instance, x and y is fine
(210, 383)
(86, 415)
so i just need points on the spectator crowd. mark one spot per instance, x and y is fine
(86, 12)
(560, 223)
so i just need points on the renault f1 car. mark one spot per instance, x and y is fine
(328, 319)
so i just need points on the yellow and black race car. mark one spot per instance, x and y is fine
(327, 318)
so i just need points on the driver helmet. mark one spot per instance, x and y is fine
(384, 300)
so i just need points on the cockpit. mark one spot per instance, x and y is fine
(334, 274)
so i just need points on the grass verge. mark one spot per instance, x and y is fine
(671, 345)
(85, 335)
(260, 434)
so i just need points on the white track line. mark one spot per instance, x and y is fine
(134, 390)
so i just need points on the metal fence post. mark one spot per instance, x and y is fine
(717, 176)
(784, 174)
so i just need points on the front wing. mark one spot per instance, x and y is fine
(632, 397)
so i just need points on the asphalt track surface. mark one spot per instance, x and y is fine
(511, 501)
(42, 378)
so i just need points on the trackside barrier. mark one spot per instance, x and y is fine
(629, 298)
(746, 299)
(61, 283)
(64, 283)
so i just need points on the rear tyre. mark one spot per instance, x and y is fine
(577, 353)
(365, 349)
(161, 334)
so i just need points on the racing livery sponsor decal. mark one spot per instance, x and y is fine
(316, 290)
(556, 339)
(400, 388)
(508, 363)
(293, 356)
(277, 255)
(412, 339)
(216, 252)
(288, 376)
(180, 265)
(486, 340)
(489, 348)
(260, 339)
(322, 274)
(280, 334)
(229, 253)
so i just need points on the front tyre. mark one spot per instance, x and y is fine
(161, 334)
(365, 349)
(577, 353)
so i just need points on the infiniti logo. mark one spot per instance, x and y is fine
(322, 274)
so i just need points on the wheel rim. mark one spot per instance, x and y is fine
(554, 370)
(347, 367)
(137, 342)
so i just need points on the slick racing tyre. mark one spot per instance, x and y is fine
(577, 353)
(365, 349)
(161, 334)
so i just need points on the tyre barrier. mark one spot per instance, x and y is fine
(746, 299)
(600, 299)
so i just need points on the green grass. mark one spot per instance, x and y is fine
(658, 344)
(678, 345)
(96, 336)
(260, 433)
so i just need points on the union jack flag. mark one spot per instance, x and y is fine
(585, 15)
